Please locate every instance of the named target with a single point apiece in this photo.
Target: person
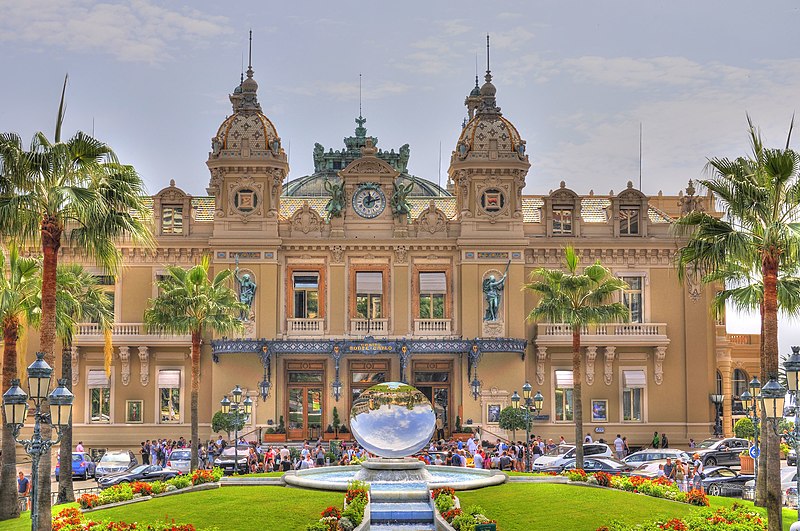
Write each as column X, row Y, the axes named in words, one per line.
column 477, row 460
column 619, row 447
column 79, row 447
column 145, row 451
column 656, row 440
column 698, row 475
column 24, row 490
column 692, row 443
column 625, row 442
column 660, row 473
column 588, row 438
column 664, row 440
column 472, row 446
column 561, row 440
column 505, row 462
column 669, row 470
column 320, row 456
column 680, row 475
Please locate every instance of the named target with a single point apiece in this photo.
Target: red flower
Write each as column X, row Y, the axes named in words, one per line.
column 332, row 511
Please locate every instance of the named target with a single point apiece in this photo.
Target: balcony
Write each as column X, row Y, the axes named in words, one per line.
column 604, row 334
column 369, row 327
column 432, row 327
column 90, row 334
column 305, row 327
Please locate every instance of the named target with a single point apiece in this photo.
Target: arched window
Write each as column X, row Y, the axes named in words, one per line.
column 739, row 383
column 719, row 383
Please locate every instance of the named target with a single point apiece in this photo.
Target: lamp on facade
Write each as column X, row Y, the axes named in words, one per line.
column 264, row 387
column 515, row 400
column 773, row 395
column 717, row 400
column 248, row 406
column 39, row 376
column 526, row 392
column 792, row 366
column 538, row 402
column 15, row 405
column 225, row 404
column 475, row 384
column 754, row 385
column 60, row 401
column 337, row 389
column 237, row 395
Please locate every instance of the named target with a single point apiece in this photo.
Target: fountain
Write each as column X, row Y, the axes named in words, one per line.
column 395, row 421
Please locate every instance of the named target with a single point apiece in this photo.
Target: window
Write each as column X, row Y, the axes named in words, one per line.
column 562, row 220
column 633, row 298
column 633, row 384
column 432, row 292
column 739, row 383
column 628, row 221
column 369, row 294
column 364, row 375
column 99, row 396
column 306, row 295
column 719, row 383
column 172, row 219
column 563, row 395
column 169, row 392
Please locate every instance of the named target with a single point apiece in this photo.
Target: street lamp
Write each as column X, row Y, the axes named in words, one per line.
column 475, row 385
column 15, row 407
column 236, row 408
column 792, row 366
column 717, row 400
column 531, row 404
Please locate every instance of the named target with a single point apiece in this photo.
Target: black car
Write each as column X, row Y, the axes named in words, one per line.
column 599, row 464
column 715, row 452
column 138, row 473
column 722, row 481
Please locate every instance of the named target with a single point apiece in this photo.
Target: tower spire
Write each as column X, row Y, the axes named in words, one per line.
column 488, row 70
column 359, row 94
column 250, row 52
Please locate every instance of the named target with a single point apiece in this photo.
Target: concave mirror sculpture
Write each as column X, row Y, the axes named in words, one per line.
column 392, row 419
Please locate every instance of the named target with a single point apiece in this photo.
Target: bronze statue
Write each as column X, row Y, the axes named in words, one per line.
column 335, row 204
column 492, row 291
column 400, row 206
column 246, row 289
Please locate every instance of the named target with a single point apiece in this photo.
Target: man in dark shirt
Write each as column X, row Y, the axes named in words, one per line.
column 669, row 470
column 505, row 462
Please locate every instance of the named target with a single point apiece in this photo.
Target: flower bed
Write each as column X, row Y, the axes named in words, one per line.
column 355, row 504
column 444, row 499
column 657, row 488
column 129, row 491
column 736, row 517
column 71, row 519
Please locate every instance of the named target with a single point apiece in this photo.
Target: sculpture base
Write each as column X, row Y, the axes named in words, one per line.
column 385, row 469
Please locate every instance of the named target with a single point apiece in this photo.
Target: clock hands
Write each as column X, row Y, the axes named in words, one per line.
column 369, row 200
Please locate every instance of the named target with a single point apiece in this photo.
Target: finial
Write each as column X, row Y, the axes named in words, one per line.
column 250, row 52
column 488, row 70
column 359, row 94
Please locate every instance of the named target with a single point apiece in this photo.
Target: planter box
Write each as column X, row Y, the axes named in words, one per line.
column 328, row 436
column 462, row 436
column 747, row 463
column 274, row 437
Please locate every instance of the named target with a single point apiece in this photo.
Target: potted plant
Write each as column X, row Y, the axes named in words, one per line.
column 329, row 433
column 344, row 433
column 461, row 433
column 276, row 435
column 336, row 422
column 744, row 429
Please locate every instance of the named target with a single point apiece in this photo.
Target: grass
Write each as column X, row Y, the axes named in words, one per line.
column 516, row 507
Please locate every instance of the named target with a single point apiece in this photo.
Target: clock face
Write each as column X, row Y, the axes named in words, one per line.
column 369, row 201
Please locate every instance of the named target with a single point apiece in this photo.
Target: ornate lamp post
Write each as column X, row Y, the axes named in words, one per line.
column 792, row 366
column 531, row 404
column 238, row 409
column 15, row 406
column 717, row 400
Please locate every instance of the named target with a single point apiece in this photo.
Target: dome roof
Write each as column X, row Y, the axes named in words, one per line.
column 483, row 128
column 314, row 186
column 252, row 125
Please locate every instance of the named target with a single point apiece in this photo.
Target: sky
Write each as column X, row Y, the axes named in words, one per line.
column 579, row 79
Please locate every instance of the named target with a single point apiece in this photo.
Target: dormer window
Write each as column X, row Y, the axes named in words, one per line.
column 172, row 219
column 629, row 221
column 562, row 220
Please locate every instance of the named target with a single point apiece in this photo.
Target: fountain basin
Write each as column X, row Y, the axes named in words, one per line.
column 431, row 476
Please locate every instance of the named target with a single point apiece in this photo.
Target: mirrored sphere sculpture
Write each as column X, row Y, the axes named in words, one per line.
column 392, row 420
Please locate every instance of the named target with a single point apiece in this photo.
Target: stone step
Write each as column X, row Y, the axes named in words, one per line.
column 401, row 512
column 399, row 492
column 402, row 527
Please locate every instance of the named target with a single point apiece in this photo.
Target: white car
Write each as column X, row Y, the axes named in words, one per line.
column 180, row 459
column 788, row 480
column 558, row 456
column 656, row 454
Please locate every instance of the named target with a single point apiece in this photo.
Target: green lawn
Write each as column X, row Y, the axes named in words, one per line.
column 516, row 507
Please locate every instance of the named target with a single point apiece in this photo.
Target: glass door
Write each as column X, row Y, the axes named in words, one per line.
column 295, row 428
column 314, row 412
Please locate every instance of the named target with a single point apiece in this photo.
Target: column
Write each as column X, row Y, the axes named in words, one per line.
column 725, row 368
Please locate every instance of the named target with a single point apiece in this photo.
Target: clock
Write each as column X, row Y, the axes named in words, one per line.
column 369, row 200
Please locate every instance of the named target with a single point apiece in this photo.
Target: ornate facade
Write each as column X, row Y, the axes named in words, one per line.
column 366, row 273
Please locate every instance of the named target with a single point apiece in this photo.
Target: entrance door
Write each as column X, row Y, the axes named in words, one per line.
column 433, row 379
column 305, row 412
column 440, row 398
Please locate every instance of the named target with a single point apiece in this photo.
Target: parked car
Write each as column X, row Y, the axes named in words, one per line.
column 655, row 454
column 557, row 457
column 648, row 469
column 226, row 460
column 138, row 473
column 600, row 464
column 180, row 460
column 788, row 480
column 115, row 461
column 722, row 481
column 82, row 466
column 715, row 452
column 791, row 458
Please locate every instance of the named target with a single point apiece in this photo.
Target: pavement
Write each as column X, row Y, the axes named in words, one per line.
column 76, row 483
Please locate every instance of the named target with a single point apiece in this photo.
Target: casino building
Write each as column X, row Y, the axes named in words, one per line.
column 366, row 273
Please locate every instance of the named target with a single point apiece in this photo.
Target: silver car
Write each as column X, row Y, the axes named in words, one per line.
column 115, row 461
column 180, row 460
column 656, row 454
column 788, row 481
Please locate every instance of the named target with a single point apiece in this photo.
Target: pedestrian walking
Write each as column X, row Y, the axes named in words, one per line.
column 664, row 440
column 619, row 447
column 656, row 441
column 24, row 491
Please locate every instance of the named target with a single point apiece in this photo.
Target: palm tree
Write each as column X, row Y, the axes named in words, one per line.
column 190, row 303
column 760, row 194
column 80, row 298
column 19, row 288
column 73, row 192
column 577, row 299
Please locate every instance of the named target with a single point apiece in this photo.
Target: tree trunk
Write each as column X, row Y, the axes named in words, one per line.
column 9, row 508
column 66, row 493
column 51, row 242
column 761, row 477
column 195, row 437
column 770, row 341
column 577, row 398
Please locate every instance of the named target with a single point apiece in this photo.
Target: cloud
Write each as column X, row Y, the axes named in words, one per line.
column 133, row 30
column 348, row 91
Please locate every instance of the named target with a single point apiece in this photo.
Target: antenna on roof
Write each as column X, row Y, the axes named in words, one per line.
column 439, row 179
column 250, row 52
column 488, row 70
column 359, row 94
column 92, row 126
column 241, row 76
column 476, row 69
column 640, row 156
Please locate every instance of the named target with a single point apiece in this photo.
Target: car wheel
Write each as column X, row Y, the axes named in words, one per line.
column 711, row 462
column 714, row 489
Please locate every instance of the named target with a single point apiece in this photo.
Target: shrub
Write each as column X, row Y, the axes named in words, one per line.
column 140, row 487
column 356, row 489
column 603, row 479
column 463, row 522
column 332, row 511
column 67, row 518
column 345, row 524
column 744, row 428
column 443, row 490
column 443, row 502
column 180, row 482
column 577, row 474
column 158, row 487
column 89, row 501
column 200, row 476
column 117, row 493
column 451, row 514
column 355, row 510
column 697, row 497
column 317, row 526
